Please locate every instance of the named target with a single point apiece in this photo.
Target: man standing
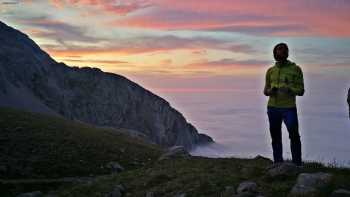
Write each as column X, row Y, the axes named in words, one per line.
column 284, row 81
column 349, row 101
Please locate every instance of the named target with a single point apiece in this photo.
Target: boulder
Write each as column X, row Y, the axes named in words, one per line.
column 247, row 188
column 282, row 170
column 115, row 167
column 311, row 184
column 31, row 194
column 341, row 193
column 180, row 195
column 261, row 158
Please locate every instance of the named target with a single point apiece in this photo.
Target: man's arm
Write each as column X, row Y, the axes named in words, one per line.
column 298, row 86
column 267, row 88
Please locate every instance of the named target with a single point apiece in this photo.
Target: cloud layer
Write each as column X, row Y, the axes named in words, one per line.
column 186, row 37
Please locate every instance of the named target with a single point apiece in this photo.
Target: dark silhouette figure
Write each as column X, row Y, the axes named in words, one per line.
column 348, row 99
column 284, row 81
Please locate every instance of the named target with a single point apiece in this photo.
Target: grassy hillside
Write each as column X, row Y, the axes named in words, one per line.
column 202, row 177
column 38, row 151
column 40, row 146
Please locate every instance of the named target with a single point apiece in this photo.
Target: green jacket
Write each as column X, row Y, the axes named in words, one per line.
column 287, row 75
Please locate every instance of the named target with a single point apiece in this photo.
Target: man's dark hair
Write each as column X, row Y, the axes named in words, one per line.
column 281, row 45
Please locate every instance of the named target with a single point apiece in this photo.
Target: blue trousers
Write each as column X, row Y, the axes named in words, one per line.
column 290, row 118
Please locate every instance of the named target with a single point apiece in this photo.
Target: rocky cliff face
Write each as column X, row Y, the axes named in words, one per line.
column 30, row 79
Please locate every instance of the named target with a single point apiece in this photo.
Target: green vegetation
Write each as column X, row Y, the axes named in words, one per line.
column 201, row 177
column 38, row 151
column 39, row 146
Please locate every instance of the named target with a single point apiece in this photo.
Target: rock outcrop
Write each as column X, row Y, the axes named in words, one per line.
column 30, row 79
column 311, row 184
column 31, row 194
column 341, row 193
column 282, row 170
column 247, row 188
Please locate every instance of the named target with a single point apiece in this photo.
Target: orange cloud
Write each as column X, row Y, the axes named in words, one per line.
column 94, row 51
column 229, row 63
column 108, row 62
column 57, row 3
column 147, row 44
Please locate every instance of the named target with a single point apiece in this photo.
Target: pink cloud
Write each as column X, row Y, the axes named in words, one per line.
column 265, row 17
column 121, row 7
column 320, row 18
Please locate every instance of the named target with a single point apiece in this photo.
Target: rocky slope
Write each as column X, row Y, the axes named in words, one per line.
column 30, row 79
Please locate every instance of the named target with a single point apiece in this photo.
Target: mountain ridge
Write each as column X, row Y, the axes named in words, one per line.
column 31, row 80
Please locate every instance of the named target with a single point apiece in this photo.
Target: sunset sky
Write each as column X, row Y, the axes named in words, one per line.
column 190, row 45
column 208, row 59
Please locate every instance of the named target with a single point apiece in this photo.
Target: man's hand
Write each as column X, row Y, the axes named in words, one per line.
column 271, row 91
column 286, row 90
